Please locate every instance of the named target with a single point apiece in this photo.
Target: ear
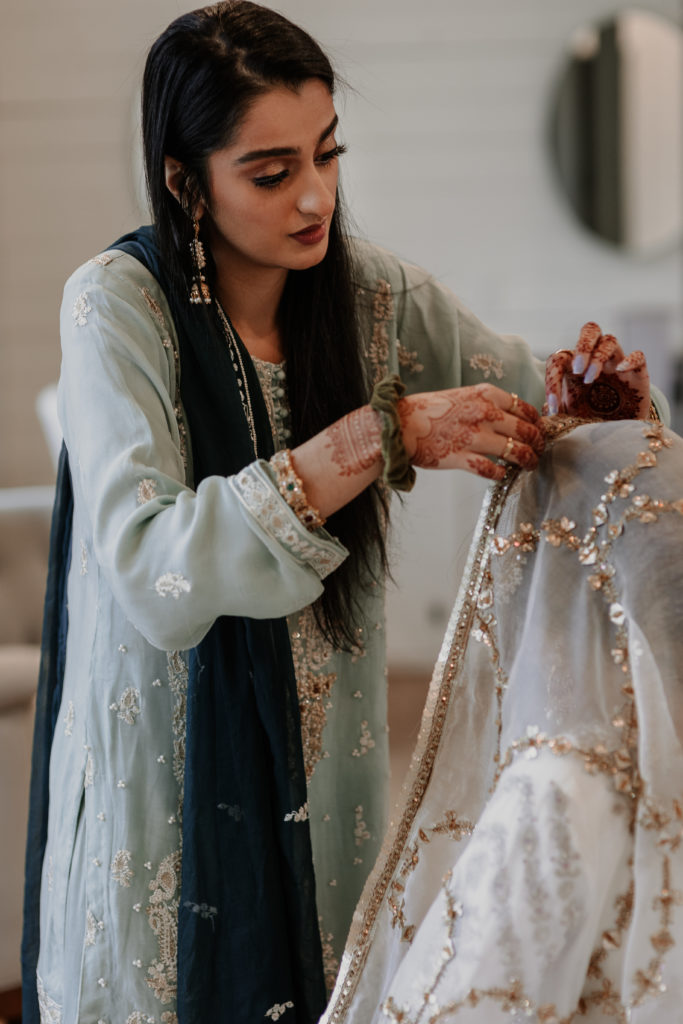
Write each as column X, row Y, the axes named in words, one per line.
column 176, row 177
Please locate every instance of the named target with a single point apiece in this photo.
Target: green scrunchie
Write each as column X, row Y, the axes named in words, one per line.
column 398, row 472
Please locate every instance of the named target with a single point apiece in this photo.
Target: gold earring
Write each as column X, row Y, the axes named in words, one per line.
column 199, row 292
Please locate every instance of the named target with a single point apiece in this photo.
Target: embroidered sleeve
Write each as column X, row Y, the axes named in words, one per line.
column 258, row 493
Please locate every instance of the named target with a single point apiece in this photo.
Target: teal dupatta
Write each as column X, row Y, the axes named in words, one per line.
column 248, row 937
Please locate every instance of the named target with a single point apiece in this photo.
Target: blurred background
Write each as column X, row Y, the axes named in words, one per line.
column 526, row 152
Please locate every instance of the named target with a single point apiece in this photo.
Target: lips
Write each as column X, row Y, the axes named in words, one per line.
column 310, row 235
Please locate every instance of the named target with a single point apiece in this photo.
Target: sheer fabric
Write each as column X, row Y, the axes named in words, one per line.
column 534, row 871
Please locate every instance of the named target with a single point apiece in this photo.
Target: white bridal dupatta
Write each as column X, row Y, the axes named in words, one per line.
column 534, row 868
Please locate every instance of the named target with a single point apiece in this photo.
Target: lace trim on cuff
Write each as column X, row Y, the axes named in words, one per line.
column 260, row 497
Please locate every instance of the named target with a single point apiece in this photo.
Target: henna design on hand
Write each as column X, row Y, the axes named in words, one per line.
column 523, row 456
column 634, row 363
column 483, row 467
column 355, row 441
column 558, row 364
column 609, row 398
column 454, row 429
column 588, row 338
column 530, row 435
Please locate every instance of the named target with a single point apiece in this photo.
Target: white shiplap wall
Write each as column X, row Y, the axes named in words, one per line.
column 448, row 166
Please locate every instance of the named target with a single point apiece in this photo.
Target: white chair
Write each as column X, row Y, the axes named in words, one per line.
column 46, row 410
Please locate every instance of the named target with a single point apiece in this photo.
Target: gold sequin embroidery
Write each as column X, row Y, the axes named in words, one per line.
column 383, row 312
column 311, row 654
column 162, row 914
column 408, row 360
column 487, row 365
column 619, row 762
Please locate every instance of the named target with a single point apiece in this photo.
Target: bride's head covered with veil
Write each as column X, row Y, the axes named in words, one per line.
column 534, row 870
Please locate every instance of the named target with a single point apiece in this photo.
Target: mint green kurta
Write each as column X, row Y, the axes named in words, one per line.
column 154, row 563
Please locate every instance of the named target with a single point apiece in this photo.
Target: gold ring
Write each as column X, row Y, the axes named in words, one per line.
column 515, row 403
column 507, row 450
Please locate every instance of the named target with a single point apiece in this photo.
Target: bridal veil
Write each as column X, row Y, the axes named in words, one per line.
column 534, row 867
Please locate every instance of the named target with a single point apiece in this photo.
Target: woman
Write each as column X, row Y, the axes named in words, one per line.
column 534, row 871
column 206, row 694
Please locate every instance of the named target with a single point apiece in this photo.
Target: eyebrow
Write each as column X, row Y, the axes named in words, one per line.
column 260, row 154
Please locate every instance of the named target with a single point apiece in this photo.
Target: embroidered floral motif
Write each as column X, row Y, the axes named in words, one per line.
column 359, row 649
column 565, row 858
column 300, row 815
column 162, row 914
column 81, row 308
column 204, row 911
column 128, row 706
column 169, row 1017
column 560, row 531
column 121, row 872
column 172, row 584
column 277, row 1011
column 154, row 308
column 487, row 364
column 453, row 826
column 102, row 260
column 330, row 961
column 408, row 360
column 69, row 719
column 147, row 491
column 310, row 655
column 50, row 1011
column 89, row 776
column 524, row 539
column 383, row 311
column 361, row 830
column 138, row 1017
column 90, row 928
column 177, row 677
column 234, row 811
column 366, row 742
column 274, row 516
column 273, row 380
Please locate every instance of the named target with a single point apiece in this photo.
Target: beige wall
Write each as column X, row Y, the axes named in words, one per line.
column 68, row 75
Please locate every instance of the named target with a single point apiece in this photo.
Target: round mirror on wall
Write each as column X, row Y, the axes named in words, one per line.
column 617, row 130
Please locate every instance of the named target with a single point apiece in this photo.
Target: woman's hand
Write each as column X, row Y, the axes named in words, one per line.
column 464, row 428
column 597, row 380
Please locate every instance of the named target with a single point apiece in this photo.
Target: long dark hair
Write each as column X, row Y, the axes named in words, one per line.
column 201, row 76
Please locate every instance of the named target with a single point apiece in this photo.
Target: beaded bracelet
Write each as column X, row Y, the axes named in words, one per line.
column 398, row 472
column 292, row 490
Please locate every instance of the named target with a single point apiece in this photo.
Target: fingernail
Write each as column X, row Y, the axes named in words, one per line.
column 579, row 363
column 623, row 365
column 553, row 405
column 593, row 371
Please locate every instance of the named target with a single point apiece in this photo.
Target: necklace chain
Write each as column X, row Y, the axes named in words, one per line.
column 240, row 374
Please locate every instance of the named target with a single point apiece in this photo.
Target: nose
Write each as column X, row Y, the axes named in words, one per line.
column 317, row 194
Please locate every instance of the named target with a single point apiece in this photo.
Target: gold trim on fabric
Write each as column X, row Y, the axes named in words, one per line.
column 378, row 885
column 621, row 764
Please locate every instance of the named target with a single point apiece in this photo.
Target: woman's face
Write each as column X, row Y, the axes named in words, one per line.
column 272, row 190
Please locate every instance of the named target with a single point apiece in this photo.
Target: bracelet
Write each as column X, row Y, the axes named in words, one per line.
column 653, row 414
column 292, row 490
column 398, row 472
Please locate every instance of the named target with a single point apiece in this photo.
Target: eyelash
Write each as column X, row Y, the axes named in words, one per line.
column 273, row 180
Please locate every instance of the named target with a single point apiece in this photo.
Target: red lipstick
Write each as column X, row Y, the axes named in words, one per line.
column 311, row 235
